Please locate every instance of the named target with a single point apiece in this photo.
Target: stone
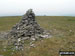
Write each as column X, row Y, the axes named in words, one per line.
column 19, row 39
column 32, row 45
column 33, row 39
column 43, row 36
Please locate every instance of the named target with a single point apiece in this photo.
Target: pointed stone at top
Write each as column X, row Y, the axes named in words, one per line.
column 29, row 14
column 29, row 11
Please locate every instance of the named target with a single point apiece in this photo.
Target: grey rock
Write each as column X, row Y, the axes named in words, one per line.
column 32, row 45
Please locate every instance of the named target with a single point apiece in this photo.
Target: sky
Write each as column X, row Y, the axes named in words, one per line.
column 40, row 7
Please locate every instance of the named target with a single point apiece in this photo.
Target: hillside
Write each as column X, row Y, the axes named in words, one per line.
column 62, row 29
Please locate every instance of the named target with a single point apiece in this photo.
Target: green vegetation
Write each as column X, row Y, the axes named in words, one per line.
column 62, row 28
column 6, row 23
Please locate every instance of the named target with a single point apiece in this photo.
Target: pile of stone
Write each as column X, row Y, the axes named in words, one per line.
column 27, row 28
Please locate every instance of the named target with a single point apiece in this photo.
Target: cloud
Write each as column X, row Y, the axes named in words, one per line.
column 40, row 7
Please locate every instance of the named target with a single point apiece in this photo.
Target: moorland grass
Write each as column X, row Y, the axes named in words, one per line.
column 62, row 28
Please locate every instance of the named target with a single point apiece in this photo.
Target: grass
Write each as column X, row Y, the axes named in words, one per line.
column 62, row 28
column 6, row 23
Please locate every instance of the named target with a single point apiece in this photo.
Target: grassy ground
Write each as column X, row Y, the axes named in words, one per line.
column 63, row 31
column 6, row 23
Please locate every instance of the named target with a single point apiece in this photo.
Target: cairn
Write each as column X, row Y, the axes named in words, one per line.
column 27, row 28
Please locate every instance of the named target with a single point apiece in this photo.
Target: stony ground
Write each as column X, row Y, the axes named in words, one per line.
column 61, row 28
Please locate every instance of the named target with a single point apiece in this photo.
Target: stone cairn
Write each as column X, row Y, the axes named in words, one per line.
column 27, row 28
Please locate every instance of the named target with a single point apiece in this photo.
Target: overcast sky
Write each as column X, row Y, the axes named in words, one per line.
column 40, row 7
